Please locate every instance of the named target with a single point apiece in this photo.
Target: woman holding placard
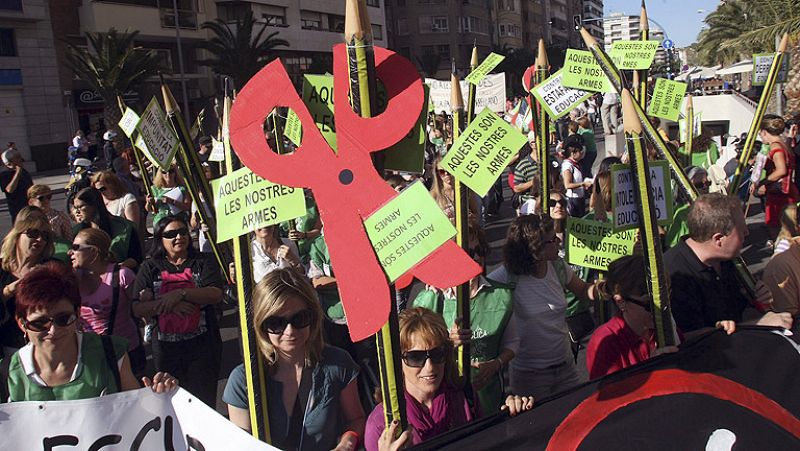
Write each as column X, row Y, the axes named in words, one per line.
column 169, row 195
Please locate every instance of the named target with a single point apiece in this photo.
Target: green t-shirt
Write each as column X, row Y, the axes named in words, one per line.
column 588, row 139
column 328, row 297
column 679, row 227
column 162, row 208
column 490, row 311
column 304, row 224
column 701, row 159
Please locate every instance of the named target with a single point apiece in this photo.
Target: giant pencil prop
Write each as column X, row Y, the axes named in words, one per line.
column 363, row 99
column 648, row 222
column 254, row 368
column 147, row 181
column 462, row 215
column 650, row 132
column 191, row 171
column 752, row 134
column 542, row 129
column 688, row 145
column 644, row 35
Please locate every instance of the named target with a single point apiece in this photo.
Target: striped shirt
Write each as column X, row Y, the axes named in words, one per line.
column 524, row 172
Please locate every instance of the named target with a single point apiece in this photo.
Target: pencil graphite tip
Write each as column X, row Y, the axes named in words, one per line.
column 473, row 63
column 630, row 120
column 588, row 39
column 356, row 20
column 170, row 105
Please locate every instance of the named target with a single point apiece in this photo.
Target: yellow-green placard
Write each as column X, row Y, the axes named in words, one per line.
column 217, row 150
column 408, row 155
column 623, row 198
column 485, row 67
column 318, row 97
column 244, row 202
column 483, row 150
column 761, row 65
column 407, row 229
column 581, row 71
column 630, row 55
column 128, row 122
column 667, row 99
column 557, row 99
column 293, row 128
column 161, row 142
column 141, row 145
column 594, row 244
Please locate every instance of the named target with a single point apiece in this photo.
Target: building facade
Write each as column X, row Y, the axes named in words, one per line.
column 621, row 27
column 593, row 18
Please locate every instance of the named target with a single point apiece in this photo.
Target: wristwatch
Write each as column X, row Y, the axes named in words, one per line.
column 183, row 294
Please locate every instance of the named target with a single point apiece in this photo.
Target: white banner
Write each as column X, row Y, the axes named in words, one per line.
column 132, row 420
column 491, row 93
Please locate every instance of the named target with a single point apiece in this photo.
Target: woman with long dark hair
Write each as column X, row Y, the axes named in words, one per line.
column 90, row 211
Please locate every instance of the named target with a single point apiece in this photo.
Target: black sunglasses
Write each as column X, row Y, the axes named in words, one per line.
column 36, row 234
column 102, row 189
column 551, row 203
column 81, row 247
column 170, row 234
column 417, row 359
column 43, row 324
column 277, row 324
column 44, row 198
column 641, row 302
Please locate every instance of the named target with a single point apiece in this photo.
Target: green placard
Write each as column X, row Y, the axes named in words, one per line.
column 408, row 155
column 318, row 97
column 557, row 99
column 581, row 71
column 629, row 55
column 667, row 99
column 161, row 142
column 244, row 202
column 293, row 128
column 761, row 65
column 485, row 67
column 623, row 198
column 128, row 122
column 407, row 229
column 594, row 244
column 482, row 151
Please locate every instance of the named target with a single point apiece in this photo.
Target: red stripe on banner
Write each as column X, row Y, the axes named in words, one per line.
column 607, row 400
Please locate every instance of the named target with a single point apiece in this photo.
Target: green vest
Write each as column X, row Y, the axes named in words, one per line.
column 304, row 224
column 490, row 311
column 679, row 227
column 95, row 377
column 328, row 297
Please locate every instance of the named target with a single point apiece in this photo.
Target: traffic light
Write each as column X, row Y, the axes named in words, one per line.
column 577, row 21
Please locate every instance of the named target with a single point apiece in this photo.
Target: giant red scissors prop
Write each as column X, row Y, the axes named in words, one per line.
column 345, row 184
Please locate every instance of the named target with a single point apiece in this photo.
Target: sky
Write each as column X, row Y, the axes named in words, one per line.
column 680, row 18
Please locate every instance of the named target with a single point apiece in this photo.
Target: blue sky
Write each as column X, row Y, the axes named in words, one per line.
column 680, row 18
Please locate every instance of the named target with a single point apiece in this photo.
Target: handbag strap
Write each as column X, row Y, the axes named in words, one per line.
column 294, row 437
column 111, row 360
column 114, row 300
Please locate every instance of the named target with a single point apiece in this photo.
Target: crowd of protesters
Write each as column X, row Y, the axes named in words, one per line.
column 89, row 294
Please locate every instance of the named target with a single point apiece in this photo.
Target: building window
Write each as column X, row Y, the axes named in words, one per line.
column 8, row 44
column 310, row 20
column 274, row 17
column 296, row 66
column 402, row 26
column 186, row 14
column 11, row 5
column 164, row 58
column 473, row 24
column 443, row 50
column 336, row 23
column 433, row 24
column 377, row 31
column 10, row 77
column 375, row 3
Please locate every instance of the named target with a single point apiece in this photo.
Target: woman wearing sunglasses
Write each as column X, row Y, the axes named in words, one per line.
column 312, row 387
column 628, row 338
column 106, row 292
column 178, row 287
column 119, row 202
column 169, row 195
column 90, row 212
column 443, row 192
column 434, row 402
column 41, row 196
column 60, row 363
column 27, row 245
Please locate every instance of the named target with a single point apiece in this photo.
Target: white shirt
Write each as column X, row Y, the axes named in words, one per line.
column 540, row 318
column 577, row 177
column 263, row 264
column 610, row 98
column 117, row 206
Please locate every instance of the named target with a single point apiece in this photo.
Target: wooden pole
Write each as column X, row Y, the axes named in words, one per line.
column 542, row 129
column 147, row 181
column 644, row 35
column 688, row 144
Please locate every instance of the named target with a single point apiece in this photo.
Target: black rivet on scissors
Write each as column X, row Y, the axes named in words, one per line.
column 346, row 176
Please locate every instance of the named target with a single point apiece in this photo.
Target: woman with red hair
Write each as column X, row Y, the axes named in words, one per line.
column 59, row 363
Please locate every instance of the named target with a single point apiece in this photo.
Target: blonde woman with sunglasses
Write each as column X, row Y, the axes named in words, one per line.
column 313, row 388
column 41, row 196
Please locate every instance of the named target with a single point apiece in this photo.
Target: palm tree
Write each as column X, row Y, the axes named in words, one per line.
column 239, row 53
column 112, row 64
column 429, row 63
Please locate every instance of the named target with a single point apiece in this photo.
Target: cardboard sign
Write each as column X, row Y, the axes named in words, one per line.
column 491, row 93
column 245, row 202
column 581, row 71
column 408, row 155
column 630, row 55
column 483, row 151
column 162, row 144
column 623, row 200
column 557, row 99
column 141, row 145
column 130, row 420
column 761, row 65
column 594, row 244
column 407, row 229
column 217, row 150
column 484, row 68
column 698, row 126
column 293, row 129
column 318, row 97
column 128, row 122
column 667, row 99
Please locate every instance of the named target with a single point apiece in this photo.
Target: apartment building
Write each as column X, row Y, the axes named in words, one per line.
column 619, row 26
column 593, row 18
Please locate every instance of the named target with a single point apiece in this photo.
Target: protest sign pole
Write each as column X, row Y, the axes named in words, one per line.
column 473, row 88
column 363, row 98
column 542, row 128
column 644, row 35
column 689, row 141
column 763, row 102
column 648, row 224
column 611, row 71
column 137, row 155
column 254, row 368
column 462, row 228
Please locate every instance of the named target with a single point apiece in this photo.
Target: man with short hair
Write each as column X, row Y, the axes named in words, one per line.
column 526, row 172
column 705, row 290
column 205, row 148
column 15, row 182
